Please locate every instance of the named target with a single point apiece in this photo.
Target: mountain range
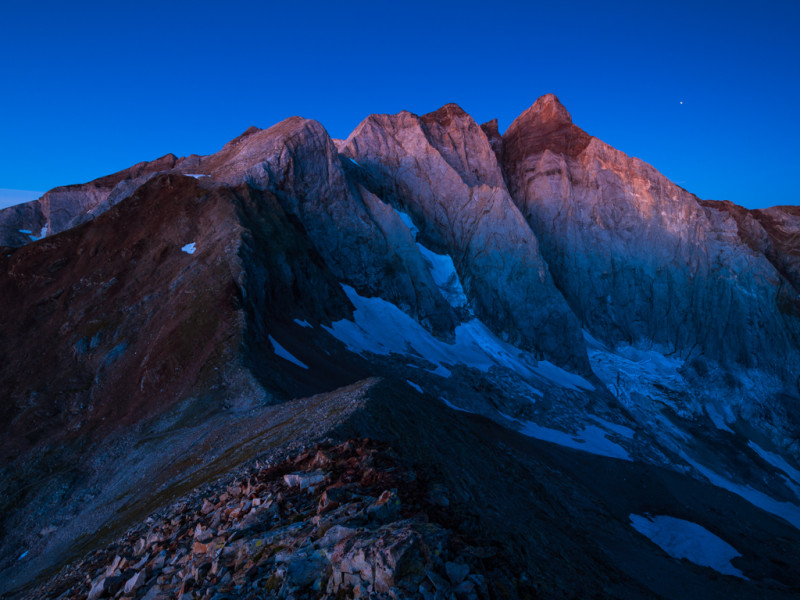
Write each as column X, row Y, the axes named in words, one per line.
column 588, row 377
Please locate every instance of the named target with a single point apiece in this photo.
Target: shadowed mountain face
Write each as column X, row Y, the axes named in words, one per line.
column 583, row 362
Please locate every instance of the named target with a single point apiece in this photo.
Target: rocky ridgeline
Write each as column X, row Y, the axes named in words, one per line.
column 339, row 521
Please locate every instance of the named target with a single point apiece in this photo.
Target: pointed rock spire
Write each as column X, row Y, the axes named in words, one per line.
column 445, row 115
column 548, row 109
column 545, row 125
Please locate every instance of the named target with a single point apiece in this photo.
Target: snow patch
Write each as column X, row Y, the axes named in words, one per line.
column 622, row 430
column 415, row 386
column 777, row 461
column 408, row 222
column 684, row 539
column 440, row 266
column 454, row 407
column 285, row 354
column 441, row 371
column 189, row 248
column 35, row 238
column 785, row 510
column 196, row 175
column 381, row 328
column 304, row 323
column 628, row 371
column 716, row 416
column 591, row 439
column 444, row 275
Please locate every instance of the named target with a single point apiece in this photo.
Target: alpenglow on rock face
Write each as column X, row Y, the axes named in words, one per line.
column 218, row 370
column 638, row 258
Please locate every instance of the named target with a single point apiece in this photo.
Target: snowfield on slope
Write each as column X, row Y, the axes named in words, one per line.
column 591, row 438
column 647, row 382
column 684, row 539
column 381, row 328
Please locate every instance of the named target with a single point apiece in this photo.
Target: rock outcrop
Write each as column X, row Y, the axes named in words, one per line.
column 441, row 169
column 265, row 532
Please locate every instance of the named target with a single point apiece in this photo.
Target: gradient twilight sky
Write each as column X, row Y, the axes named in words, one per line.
column 89, row 88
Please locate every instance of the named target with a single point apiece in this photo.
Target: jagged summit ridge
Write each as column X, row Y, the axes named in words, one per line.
column 552, row 329
column 466, row 211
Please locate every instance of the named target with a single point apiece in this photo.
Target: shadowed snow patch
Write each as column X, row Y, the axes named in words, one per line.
column 719, row 419
column 444, row 275
column 684, row 539
column 454, row 407
column 790, row 475
column 381, row 328
column 285, row 354
column 441, row 267
column 786, row 510
column 408, row 222
column 415, row 386
column 591, row 438
column 30, row 234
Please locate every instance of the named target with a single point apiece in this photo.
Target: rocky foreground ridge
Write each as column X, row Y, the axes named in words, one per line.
column 590, row 359
column 342, row 520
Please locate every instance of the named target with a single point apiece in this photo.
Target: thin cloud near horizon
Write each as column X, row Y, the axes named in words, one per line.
column 10, row 197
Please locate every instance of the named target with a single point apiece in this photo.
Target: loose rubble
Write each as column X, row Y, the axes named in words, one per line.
column 342, row 521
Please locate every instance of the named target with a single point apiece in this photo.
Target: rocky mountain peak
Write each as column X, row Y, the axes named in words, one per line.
column 446, row 115
column 545, row 125
column 246, row 133
column 547, row 109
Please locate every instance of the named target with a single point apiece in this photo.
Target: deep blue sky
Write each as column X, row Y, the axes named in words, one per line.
column 88, row 88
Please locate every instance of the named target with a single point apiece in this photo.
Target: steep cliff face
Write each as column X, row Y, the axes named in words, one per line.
column 361, row 241
column 775, row 233
column 639, row 259
column 441, row 170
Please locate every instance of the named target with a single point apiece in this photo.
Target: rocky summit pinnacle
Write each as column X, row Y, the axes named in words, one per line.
column 431, row 360
column 545, row 125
